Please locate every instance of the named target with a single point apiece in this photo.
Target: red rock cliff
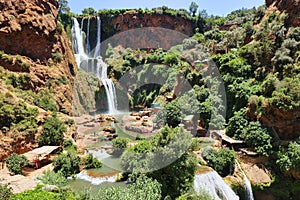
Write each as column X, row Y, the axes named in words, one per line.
column 291, row 7
column 129, row 20
column 30, row 28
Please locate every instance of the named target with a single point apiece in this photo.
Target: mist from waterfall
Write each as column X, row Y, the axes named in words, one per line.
column 94, row 63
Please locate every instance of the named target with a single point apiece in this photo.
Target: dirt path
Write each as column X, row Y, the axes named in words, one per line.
column 18, row 183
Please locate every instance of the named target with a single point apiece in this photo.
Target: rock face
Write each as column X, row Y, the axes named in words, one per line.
column 27, row 27
column 134, row 20
column 291, row 7
column 285, row 123
column 130, row 20
column 30, row 28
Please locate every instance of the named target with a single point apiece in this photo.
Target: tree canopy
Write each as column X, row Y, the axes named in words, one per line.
column 170, row 145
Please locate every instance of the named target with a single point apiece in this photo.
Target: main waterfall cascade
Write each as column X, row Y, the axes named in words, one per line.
column 213, row 184
column 249, row 193
column 93, row 63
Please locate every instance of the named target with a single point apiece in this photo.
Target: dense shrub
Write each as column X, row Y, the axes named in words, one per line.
column 120, row 143
column 258, row 137
column 171, row 114
column 67, row 163
column 5, row 192
column 143, row 188
column 69, row 145
column 289, row 159
column 16, row 114
column 52, row 178
column 90, row 162
column 15, row 163
column 237, row 123
column 222, row 160
column 286, row 96
column 57, row 57
column 53, row 132
column 39, row 193
column 22, row 81
column 45, row 100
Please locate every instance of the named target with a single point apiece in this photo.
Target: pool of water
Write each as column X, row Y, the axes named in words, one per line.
column 95, row 179
column 79, row 185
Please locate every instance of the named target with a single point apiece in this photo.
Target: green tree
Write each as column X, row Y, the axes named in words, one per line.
column 171, row 59
column 221, row 160
column 120, row 144
column 193, row 8
column 67, row 163
column 170, row 145
column 171, row 114
column 69, row 146
column 53, row 132
column 89, row 11
column 237, row 123
column 90, row 162
column 16, row 162
column 63, row 6
column 258, row 137
column 52, row 178
column 289, row 159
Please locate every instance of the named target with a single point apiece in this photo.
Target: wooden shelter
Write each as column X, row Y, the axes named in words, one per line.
column 41, row 156
column 226, row 140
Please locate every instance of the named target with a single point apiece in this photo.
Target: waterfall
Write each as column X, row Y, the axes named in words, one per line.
column 93, row 64
column 249, row 193
column 97, row 49
column 88, row 48
column 77, row 42
column 214, row 185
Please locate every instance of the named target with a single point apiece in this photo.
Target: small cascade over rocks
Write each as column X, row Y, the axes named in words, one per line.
column 96, row 180
column 100, row 154
column 93, row 64
column 249, row 193
column 213, row 184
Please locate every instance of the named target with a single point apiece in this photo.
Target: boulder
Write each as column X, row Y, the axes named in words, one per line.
column 109, row 129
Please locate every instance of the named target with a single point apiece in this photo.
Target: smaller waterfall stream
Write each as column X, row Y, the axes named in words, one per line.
column 249, row 193
column 213, row 184
column 97, row 49
column 88, row 47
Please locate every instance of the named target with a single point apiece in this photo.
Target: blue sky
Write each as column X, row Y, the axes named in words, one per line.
column 215, row 7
